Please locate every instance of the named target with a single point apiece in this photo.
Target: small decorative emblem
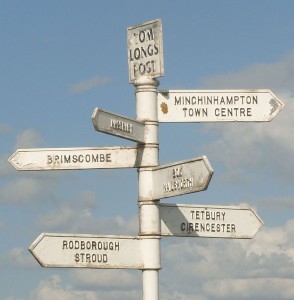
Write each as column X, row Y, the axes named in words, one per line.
column 164, row 108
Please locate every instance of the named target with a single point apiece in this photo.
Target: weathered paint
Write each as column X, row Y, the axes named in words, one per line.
column 75, row 158
column 145, row 50
column 118, row 125
column 183, row 177
column 94, row 251
column 218, row 106
column 209, row 221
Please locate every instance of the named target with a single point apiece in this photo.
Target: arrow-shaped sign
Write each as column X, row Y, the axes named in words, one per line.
column 183, row 177
column 75, row 158
column 209, row 221
column 218, row 106
column 118, row 125
column 95, row 251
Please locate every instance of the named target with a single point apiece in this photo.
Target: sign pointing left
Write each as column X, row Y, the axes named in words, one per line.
column 94, row 251
column 117, row 125
column 74, row 158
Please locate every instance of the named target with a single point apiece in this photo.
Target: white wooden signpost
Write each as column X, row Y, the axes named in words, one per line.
column 117, row 125
column 74, row 158
column 218, row 106
column 145, row 58
column 185, row 220
column 94, row 251
column 145, row 50
column 183, row 177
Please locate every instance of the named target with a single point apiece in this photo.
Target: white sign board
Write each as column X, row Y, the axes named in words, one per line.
column 74, row 158
column 93, row 251
column 218, row 106
column 118, row 125
column 145, row 50
column 183, row 177
column 208, row 221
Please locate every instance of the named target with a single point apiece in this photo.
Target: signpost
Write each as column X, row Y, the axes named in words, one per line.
column 183, row 177
column 208, row 221
column 145, row 50
column 93, row 251
column 145, row 58
column 74, row 158
column 218, row 106
column 118, row 125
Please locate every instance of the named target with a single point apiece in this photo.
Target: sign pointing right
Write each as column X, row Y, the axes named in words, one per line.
column 175, row 179
column 233, row 222
column 218, row 106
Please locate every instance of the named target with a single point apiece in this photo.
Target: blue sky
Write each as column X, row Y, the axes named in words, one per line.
column 61, row 59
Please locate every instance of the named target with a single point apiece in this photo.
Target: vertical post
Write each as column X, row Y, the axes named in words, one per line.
column 149, row 221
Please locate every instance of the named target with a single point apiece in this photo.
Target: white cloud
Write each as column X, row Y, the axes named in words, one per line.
column 52, row 289
column 274, row 241
column 268, row 145
column 194, row 266
column 77, row 216
column 28, row 139
column 254, row 288
column 17, row 257
column 76, row 212
column 89, row 84
column 106, row 279
column 278, row 75
column 265, row 147
column 21, row 190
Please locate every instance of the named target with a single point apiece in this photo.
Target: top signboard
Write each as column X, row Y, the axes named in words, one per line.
column 218, row 106
column 145, row 50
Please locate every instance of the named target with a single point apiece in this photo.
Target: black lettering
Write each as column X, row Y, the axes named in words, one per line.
column 183, row 226
column 233, row 227
column 64, row 245
column 190, row 227
column 156, row 49
column 49, row 159
column 143, row 51
column 70, row 245
column 142, row 36
column 137, row 54
column 77, row 258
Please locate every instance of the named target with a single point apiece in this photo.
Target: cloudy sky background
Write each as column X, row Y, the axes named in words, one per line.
column 61, row 59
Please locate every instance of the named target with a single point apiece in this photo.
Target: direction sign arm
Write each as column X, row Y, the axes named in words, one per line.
column 118, row 125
